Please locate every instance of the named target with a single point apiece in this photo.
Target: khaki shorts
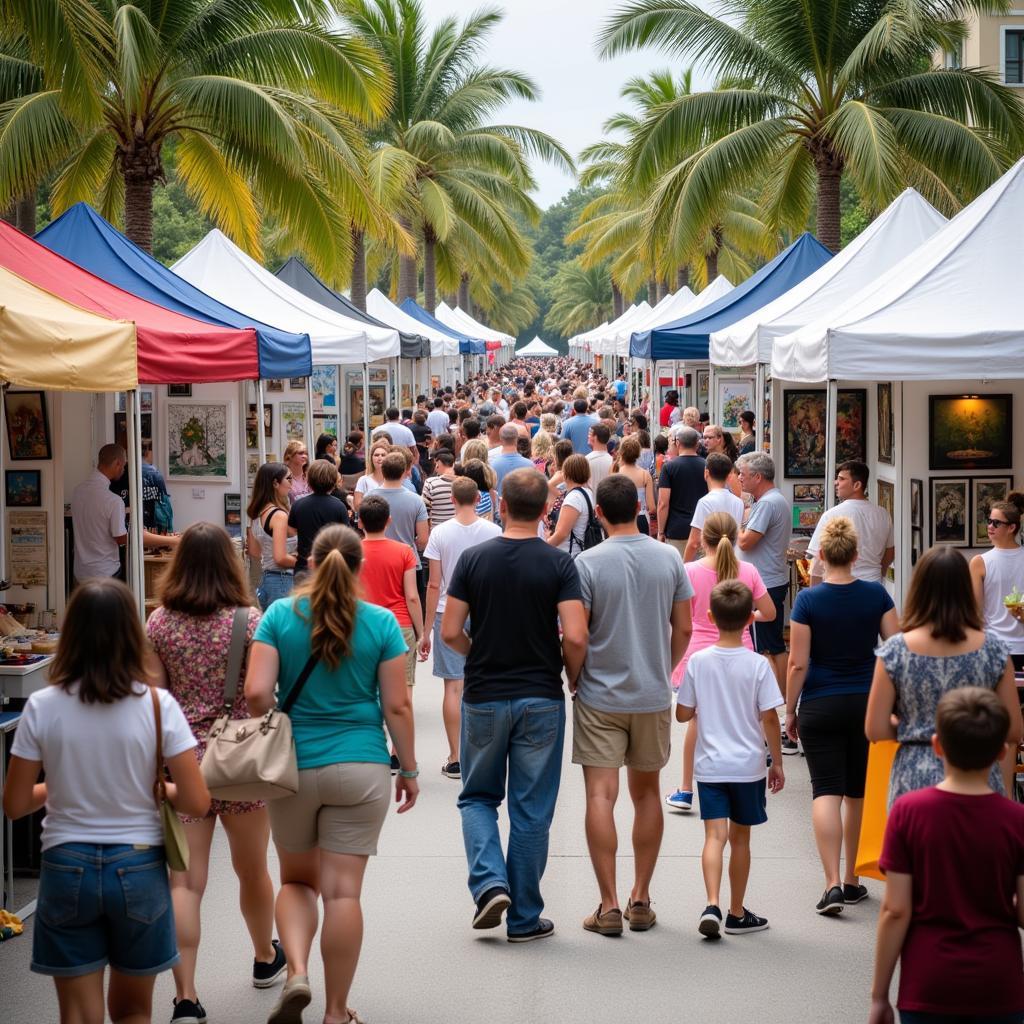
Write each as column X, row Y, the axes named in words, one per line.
column 605, row 739
column 409, row 636
column 679, row 545
column 339, row 807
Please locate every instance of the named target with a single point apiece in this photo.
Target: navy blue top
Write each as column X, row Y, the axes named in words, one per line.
column 844, row 619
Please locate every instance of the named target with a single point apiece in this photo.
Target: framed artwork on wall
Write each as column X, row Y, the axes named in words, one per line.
column 811, row 494
column 233, row 514
column 297, row 383
column 274, row 386
column 703, row 376
column 251, row 438
column 851, row 425
column 917, row 504
column 733, row 397
column 293, row 421
column 985, row 492
column 916, row 545
column 252, row 465
column 950, row 521
column 885, row 424
column 197, row 440
column 121, row 428
column 179, row 390
column 23, row 488
column 28, row 430
column 970, row 432
column 886, row 496
column 324, row 386
column 804, row 426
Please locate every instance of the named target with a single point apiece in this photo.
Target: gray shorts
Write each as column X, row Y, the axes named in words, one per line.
column 448, row 664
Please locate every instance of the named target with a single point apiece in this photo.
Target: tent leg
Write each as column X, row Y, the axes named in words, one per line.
column 760, row 410
column 831, row 411
column 261, row 435
column 310, row 438
column 243, row 476
column 398, row 382
column 136, row 573
column 366, row 406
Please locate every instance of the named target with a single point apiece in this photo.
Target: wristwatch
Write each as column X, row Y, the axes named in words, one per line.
column 409, row 775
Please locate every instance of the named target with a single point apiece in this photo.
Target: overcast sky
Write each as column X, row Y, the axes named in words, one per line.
column 553, row 42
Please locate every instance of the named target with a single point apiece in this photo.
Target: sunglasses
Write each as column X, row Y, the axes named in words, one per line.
column 997, row 522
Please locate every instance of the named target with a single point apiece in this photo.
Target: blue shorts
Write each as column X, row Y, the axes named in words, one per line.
column 448, row 664
column 102, row 905
column 273, row 586
column 769, row 636
column 741, row 802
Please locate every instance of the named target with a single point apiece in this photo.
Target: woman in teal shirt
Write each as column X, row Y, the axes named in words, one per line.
column 325, row 832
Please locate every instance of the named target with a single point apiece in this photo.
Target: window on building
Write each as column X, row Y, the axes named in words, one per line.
column 1013, row 61
column 953, row 58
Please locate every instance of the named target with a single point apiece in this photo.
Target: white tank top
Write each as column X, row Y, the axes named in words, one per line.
column 1004, row 568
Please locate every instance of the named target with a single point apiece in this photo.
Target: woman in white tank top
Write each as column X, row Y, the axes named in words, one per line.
column 998, row 571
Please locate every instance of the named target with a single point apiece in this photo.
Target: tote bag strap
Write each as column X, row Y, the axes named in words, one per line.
column 236, row 652
column 159, row 788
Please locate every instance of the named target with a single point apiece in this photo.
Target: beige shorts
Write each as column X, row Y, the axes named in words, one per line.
column 409, row 636
column 679, row 545
column 339, row 807
column 605, row 739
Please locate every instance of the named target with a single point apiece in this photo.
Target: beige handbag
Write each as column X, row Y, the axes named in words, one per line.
column 251, row 758
column 175, row 843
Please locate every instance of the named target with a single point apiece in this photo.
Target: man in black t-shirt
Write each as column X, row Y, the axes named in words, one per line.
column 515, row 590
column 680, row 486
column 310, row 514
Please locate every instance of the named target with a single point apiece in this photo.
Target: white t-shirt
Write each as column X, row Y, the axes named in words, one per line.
column 439, row 422
column 100, row 763
column 600, row 467
column 720, row 500
column 97, row 515
column 874, row 535
column 398, row 432
column 449, row 540
column 575, row 499
column 493, row 453
column 730, row 687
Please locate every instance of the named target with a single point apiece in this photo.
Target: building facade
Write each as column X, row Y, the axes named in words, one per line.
column 996, row 42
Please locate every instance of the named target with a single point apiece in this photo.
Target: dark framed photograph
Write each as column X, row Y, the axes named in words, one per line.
column 274, row 385
column 949, row 512
column 917, row 504
column 297, row 383
column 179, row 390
column 804, row 422
column 885, row 424
column 233, row 514
column 916, row 545
column 851, row 425
column 251, row 438
column 23, row 488
column 809, row 494
column 885, row 494
column 970, row 432
column 985, row 492
column 28, row 430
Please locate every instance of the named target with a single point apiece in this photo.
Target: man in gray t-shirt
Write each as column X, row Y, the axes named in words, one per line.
column 623, row 697
column 409, row 521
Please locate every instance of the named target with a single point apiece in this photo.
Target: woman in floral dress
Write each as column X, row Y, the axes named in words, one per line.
column 191, row 635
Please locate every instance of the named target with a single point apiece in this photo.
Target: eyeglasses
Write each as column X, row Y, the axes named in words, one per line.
column 998, row 522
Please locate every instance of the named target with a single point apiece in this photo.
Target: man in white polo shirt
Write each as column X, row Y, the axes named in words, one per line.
column 97, row 515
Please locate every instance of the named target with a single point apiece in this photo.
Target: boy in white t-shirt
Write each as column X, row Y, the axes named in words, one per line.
column 737, row 695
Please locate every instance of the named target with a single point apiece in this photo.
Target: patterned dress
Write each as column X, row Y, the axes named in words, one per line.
column 920, row 681
column 194, row 652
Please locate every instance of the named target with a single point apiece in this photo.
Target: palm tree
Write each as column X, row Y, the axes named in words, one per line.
column 259, row 98
column 459, row 172
column 582, row 299
column 818, row 90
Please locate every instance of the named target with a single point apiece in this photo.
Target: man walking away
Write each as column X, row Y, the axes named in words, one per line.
column 599, row 459
column 516, row 589
column 622, row 714
column 680, row 486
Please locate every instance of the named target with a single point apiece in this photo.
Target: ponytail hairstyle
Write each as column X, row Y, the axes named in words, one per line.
column 838, row 542
column 1012, row 508
column 332, row 591
column 719, row 532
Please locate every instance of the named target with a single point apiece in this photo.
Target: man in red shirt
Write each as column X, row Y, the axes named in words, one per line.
column 671, row 403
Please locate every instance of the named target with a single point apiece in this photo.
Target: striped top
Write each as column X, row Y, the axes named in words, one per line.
column 437, row 496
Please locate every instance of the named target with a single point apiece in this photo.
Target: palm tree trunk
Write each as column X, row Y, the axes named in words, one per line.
column 464, row 292
column 27, row 213
column 828, row 219
column 711, row 259
column 652, row 290
column 683, row 277
column 407, row 275
column 138, row 210
column 429, row 270
column 10, row 215
column 358, row 268
column 616, row 300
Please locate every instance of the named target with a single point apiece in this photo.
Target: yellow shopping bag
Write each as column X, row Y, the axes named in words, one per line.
column 876, row 808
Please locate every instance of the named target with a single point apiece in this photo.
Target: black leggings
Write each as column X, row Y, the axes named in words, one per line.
column 832, row 733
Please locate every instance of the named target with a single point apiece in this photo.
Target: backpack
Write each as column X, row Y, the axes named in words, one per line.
column 163, row 513
column 593, row 534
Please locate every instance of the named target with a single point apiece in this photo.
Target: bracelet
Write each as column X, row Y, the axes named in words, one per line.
column 409, row 775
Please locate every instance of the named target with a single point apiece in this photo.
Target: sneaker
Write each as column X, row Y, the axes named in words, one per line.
column 747, row 923
column 451, row 770
column 295, row 997
column 710, row 925
column 831, row 902
column 608, row 922
column 854, row 894
column 187, row 1011
column 639, row 915
column 542, row 931
column 396, row 765
column 680, row 801
column 265, row 974
column 789, row 746
column 489, row 908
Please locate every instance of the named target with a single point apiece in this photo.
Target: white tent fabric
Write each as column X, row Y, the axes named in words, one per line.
column 604, row 343
column 947, row 311
column 537, row 348
column 588, row 337
column 685, row 304
column 218, row 267
column 580, row 342
column 660, row 314
column 607, row 341
column 902, row 227
column 461, row 321
column 379, row 306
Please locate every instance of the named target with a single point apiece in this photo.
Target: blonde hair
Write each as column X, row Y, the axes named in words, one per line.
column 720, row 527
column 549, row 423
column 475, row 448
column 542, row 444
column 838, row 542
column 386, row 445
column 332, row 592
column 292, row 449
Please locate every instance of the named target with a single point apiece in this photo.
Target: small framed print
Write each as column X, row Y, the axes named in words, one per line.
column 809, row 494
column 916, row 545
column 28, row 429
column 233, row 514
column 145, row 400
column 252, row 464
column 297, row 383
column 985, row 492
column 23, row 488
column 950, row 521
column 917, row 504
column 885, row 424
column 251, row 437
column 179, row 390
column 274, row 385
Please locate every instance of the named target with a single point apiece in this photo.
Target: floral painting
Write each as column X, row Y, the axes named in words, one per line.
column 949, row 512
column 197, row 440
column 733, row 397
column 804, row 447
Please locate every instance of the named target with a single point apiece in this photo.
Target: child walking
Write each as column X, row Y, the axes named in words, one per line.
column 954, row 861
column 736, row 693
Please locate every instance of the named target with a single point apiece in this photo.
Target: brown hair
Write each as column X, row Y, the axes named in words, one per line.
column 941, row 596
column 525, row 493
column 719, row 466
column 576, row 469
column 972, row 725
column 1012, row 508
column 263, row 493
column 563, row 449
column 465, row 491
column 102, row 646
column 731, row 605
column 322, row 476
column 629, row 450
column 205, row 573
column 719, row 532
column 839, row 542
column 394, row 466
column 332, row 592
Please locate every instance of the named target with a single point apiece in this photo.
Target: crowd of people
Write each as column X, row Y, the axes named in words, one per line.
column 528, row 532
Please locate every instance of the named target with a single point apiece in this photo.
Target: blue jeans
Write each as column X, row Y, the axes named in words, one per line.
column 517, row 743
column 273, row 586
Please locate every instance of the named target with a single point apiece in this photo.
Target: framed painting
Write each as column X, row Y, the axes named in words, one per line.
column 916, row 545
column 809, row 494
column 970, row 432
column 197, row 440
column 886, row 495
column 885, row 424
column 325, row 425
column 733, row 397
column 916, row 504
column 28, row 430
column 324, row 386
column 274, row 386
column 293, row 421
column 179, row 390
column 703, row 376
column 297, row 383
column 252, row 465
column 851, row 425
column 804, row 424
column 251, row 438
column 985, row 492
column 23, row 488
column 233, row 514
column 949, row 512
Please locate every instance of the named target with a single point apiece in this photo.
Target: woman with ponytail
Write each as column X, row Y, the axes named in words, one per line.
column 348, row 659
column 718, row 565
column 999, row 572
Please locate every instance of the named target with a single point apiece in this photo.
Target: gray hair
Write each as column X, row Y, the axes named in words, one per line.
column 686, row 437
column 508, row 434
column 758, row 462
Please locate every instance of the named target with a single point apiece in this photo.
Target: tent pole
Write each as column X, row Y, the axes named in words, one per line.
column 261, row 435
column 243, row 482
column 398, row 382
column 760, row 409
column 310, row 439
column 366, row 407
column 136, row 573
column 831, row 411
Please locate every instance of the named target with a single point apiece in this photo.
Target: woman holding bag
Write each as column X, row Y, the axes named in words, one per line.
column 103, row 892
column 341, row 663
column 203, row 594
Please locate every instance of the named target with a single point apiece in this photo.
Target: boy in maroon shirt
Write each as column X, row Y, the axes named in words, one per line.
column 954, row 860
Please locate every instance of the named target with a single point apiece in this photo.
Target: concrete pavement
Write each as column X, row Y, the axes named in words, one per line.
column 422, row 963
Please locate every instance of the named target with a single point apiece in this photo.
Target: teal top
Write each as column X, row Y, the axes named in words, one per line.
column 337, row 717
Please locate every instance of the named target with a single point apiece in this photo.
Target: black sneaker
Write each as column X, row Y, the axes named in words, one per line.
column 451, row 770
column 710, row 925
column 854, row 894
column 265, row 974
column 789, row 746
column 747, row 923
column 489, row 908
column 542, row 931
column 188, row 1012
column 396, row 765
column 831, row 901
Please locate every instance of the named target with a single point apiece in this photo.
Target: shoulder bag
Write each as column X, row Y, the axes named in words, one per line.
column 175, row 843
column 252, row 758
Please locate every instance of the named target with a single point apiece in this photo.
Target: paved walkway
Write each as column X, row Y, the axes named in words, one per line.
column 422, row 964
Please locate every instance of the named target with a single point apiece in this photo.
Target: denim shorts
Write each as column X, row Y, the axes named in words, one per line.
column 448, row 664
column 103, row 904
column 274, row 585
column 741, row 802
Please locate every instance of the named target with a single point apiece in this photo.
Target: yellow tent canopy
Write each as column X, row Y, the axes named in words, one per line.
column 51, row 344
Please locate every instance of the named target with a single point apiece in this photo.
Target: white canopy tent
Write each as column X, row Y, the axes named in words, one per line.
column 587, row 337
column 537, row 348
column 378, row 305
column 603, row 343
column 461, row 321
column 662, row 313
